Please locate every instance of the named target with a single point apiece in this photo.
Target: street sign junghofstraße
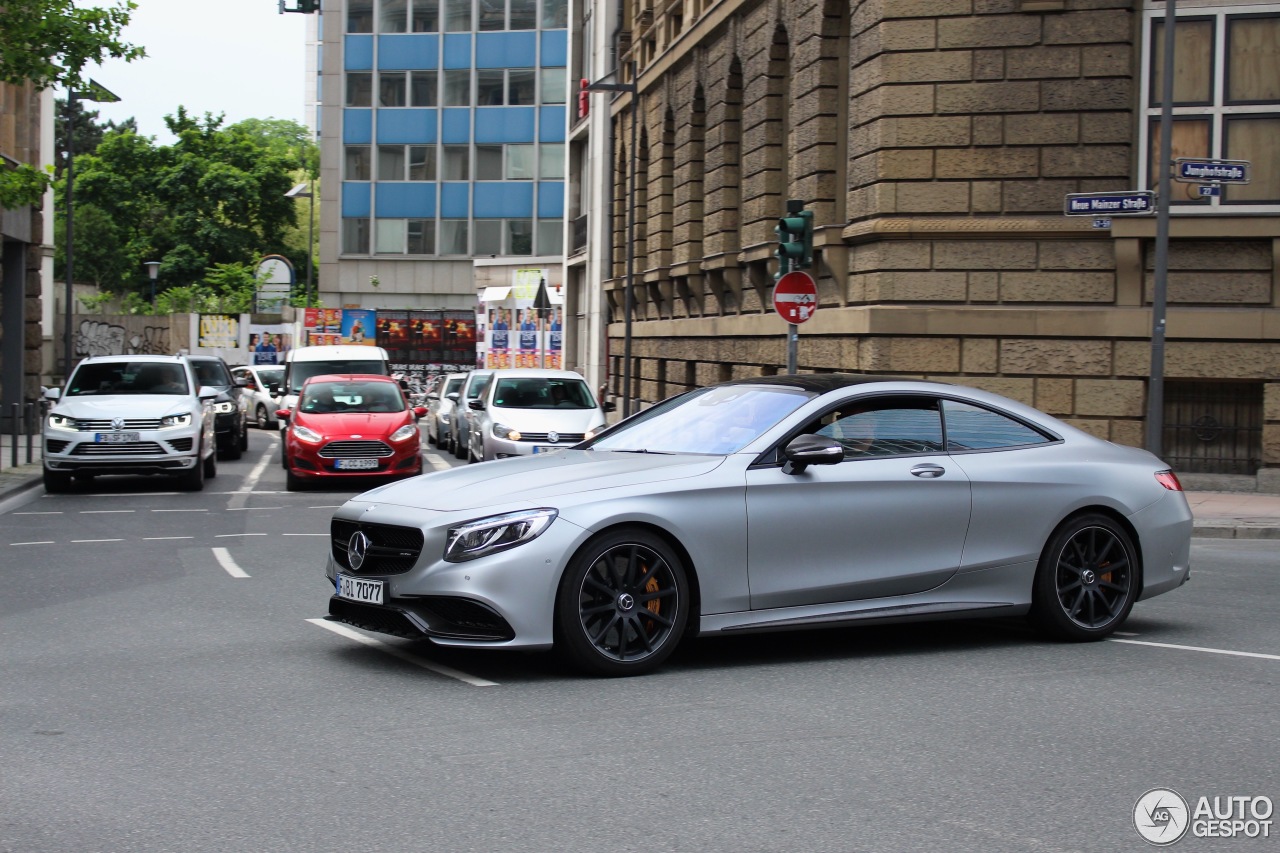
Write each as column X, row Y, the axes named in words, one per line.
column 1191, row 170
column 1136, row 203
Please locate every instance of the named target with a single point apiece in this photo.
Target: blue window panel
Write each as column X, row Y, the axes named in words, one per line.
column 551, row 199
column 509, row 199
column 457, row 125
column 454, row 200
column 507, row 50
column 357, row 126
column 505, row 124
column 457, row 50
column 355, row 199
column 407, row 51
column 357, row 53
column 411, row 126
column 555, row 49
column 551, row 124
column 410, row 200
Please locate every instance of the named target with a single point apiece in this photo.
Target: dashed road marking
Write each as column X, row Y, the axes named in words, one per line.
column 1230, row 652
column 223, row 556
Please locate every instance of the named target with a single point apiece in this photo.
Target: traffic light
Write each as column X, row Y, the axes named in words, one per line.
column 795, row 239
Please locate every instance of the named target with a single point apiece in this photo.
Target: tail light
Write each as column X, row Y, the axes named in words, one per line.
column 1169, row 480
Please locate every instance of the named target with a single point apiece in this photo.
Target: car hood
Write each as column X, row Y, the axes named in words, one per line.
column 367, row 424
column 537, row 479
column 547, row 420
column 124, row 406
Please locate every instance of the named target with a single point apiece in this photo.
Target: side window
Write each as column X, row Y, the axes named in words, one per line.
column 974, row 428
column 887, row 426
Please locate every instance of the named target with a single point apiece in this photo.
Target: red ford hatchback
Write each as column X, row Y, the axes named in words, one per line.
column 350, row 426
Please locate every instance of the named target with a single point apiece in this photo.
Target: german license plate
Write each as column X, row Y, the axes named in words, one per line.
column 358, row 589
column 116, row 437
column 356, row 464
column 544, row 448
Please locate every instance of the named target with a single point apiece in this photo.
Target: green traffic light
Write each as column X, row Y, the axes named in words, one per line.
column 795, row 241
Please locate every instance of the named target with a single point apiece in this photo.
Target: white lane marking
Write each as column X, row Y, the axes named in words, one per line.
column 250, row 508
column 51, row 512
column 46, row 542
column 115, row 495
column 179, row 510
column 228, row 535
column 256, row 473
column 328, row 506
column 438, row 463
column 104, row 511
column 449, row 672
column 304, row 534
column 160, row 538
column 79, row 541
column 1199, row 649
column 224, row 559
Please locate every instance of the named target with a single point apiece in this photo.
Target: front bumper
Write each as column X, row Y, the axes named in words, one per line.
column 306, row 462
column 162, row 451
column 505, row 448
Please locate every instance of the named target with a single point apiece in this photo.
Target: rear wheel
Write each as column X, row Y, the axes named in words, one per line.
column 622, row 605
column 56, row 482
column 1087, row 580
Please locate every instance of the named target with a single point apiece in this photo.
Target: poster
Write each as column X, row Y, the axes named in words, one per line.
column 269, row 343
column 358, row 326
column 219, row 331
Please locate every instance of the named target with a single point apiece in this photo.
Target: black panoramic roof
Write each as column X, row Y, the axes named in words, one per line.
column 817, row 383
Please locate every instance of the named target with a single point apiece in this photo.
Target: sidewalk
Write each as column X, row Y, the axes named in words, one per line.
column 1219, row 515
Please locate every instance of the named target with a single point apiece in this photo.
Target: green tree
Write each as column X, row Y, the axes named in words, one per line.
column 88, row 135
column 49, row 43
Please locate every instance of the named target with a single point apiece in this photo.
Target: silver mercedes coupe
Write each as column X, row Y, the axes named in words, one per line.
column 782, row 502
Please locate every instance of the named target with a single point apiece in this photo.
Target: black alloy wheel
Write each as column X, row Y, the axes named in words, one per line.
column 56, row 482
column 1087, row 581
column 623, row 604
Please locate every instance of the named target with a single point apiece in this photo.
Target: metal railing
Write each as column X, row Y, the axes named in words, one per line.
column 23, row 423
column 1213, row 427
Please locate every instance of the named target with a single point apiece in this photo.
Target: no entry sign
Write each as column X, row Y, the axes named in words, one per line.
column 795, row 297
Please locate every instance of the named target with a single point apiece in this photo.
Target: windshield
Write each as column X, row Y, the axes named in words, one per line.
column 477, row 387
column 128, row 377
column 325, row 398
column 533, row 392
column 271, row 375
column 720, row 420
column 453, row 385
column 211, row 373
column 301, row 371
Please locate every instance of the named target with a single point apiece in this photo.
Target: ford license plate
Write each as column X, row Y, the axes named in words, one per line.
column 116, row 437
column 359, row 589
column 356, row 464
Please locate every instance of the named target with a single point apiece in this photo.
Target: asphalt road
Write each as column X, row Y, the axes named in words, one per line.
column 166, row 684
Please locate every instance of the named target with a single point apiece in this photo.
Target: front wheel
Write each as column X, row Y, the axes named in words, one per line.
column 1087, row 580
column 263, row 418
column 56, row 482
column 622, row 605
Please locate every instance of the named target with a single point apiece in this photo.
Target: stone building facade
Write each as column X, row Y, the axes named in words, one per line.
column 935, row 141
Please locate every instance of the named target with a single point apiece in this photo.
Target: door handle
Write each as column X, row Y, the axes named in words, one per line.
column 928, row 471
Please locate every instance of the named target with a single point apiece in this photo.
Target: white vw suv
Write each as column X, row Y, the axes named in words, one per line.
column 130, row 414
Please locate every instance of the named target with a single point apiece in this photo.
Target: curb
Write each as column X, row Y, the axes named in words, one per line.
column 1242, row 530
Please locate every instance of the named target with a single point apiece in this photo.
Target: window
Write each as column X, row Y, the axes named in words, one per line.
column 551, row 161
column 550, row 237
column 359, row 16
column 519, row 236
column 457, row 16
column 453, row 237
column 391, row 162
column 973, row 428
column 524, row 14
column 493, row 15
column 422, row 88
column 457, row 87
column 425, row 17
column 554, row 85
column 1226, row 102
column 456, row 158
column 520, row 87
column 488, row 237
column 357, row 159
column 394, row 17
column 889, row 426
column 488, row 162
column 422, row 162
column 355, row 236
column 490, row 87
column 519, row 162
column 359, row 89
column 392, row 89
column 422, row 236
column 390, row 234
column 555, row 15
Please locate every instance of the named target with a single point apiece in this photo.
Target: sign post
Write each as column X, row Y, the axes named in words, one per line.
column 795, row 298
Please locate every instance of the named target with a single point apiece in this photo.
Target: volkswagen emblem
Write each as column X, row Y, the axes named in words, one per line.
column 357, row 550
column 117, row 424
column 553, row 437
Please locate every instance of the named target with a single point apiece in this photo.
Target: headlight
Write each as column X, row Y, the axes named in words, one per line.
column 224, row 408
column 496, row 533
column 405, row 433
column 176, row 420
column 500, row 431
column 307, row 434
column 61, row 422
column 591, row 433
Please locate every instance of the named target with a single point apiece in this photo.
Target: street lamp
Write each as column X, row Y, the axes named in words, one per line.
column 628, row 299
column 98, row 94
column 306, row 191
column 153, row 271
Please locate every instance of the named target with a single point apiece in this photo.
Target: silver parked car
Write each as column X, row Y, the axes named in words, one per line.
column 261, row 403
column 472, row 387
column 773, row 503
column 441, row 411
column 525, row 411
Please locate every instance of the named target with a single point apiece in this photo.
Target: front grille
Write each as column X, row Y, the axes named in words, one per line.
column 182, row 445
column 133, row 448
column 105, row 424
column 371, row 617
column 461, row 617
column 574, row 437
column 355, row 450
column 392, row 550
column 55, row 445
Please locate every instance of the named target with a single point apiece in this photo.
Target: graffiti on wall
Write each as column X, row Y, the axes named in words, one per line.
column 94, row 337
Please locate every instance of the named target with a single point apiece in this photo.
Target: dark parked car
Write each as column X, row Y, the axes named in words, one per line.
column 231, row 418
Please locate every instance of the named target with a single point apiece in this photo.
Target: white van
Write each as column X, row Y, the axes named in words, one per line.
column 301, row 363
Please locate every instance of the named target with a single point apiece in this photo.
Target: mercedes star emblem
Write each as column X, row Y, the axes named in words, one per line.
column 357, row 549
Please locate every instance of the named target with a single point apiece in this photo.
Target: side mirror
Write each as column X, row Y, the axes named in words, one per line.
column 609, row 406
column 52, row 393
column 419, row 411
column 207, row 393
column 476, row 405
column 283, row 414
column 241, row 382
column 806, row 450
column 454, row 396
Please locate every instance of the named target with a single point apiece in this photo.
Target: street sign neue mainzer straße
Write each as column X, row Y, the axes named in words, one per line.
column 1133, row 203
